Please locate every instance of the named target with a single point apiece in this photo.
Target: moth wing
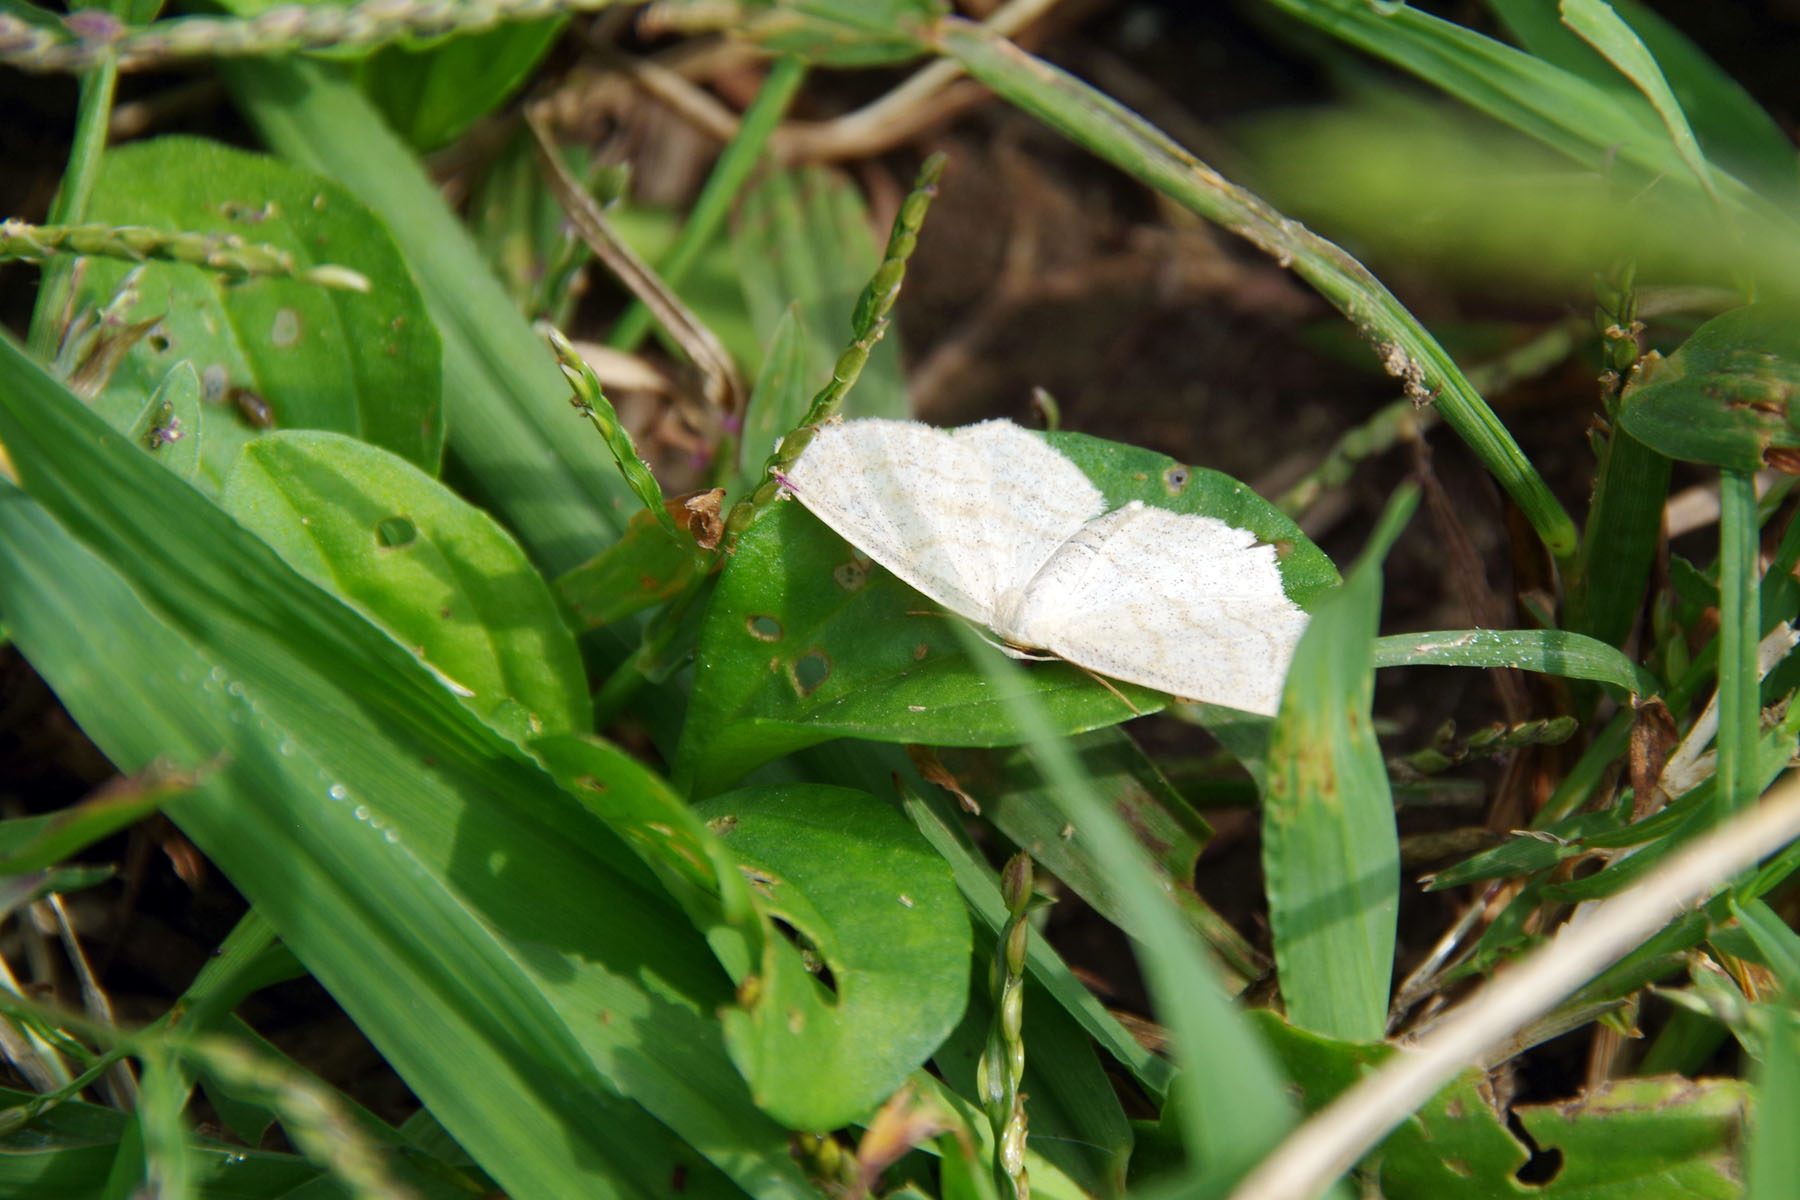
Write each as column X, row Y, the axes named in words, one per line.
column 1037, row 498
column 1181, row 603
column 912, row 498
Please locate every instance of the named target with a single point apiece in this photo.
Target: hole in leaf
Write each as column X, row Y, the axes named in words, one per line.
column 1544, row 1165
column 763, row 628
column 285, row 330
column 810, row 670
column 809, row 955
column 1176, row 480
column 213, row 383
column 851, row 575
column 158, row 342
column 395, row 532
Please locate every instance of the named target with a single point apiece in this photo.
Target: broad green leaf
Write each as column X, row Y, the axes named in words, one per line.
column 1126, row 473
column 1723, row 397
column 805, row 640
column 315, row 358
column 434, row 90
column 168, row 425
column 1455, row 1145
column 647, row 565
column 1331, row 856
column 803, row 238
column 863, row 892
column 428, row 873
column 436, row 572
column 1665, row 1136
column 666, row 834
column 1550, row 651
column 561, row 495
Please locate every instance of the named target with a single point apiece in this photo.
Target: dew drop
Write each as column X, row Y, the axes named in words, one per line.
column 338, row 791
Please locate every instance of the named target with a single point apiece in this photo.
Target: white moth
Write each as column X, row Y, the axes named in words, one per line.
column 998, row 527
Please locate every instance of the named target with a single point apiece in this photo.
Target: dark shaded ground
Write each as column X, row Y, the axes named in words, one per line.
column 1145, row 325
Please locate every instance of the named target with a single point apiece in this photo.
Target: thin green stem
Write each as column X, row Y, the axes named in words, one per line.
column 722, row 187
column 1740, row 623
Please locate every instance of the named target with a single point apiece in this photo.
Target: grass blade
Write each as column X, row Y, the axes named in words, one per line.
column 1331, row 854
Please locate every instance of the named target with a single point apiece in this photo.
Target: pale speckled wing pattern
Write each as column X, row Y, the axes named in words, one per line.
column 958, row 515
column 997, row 526
column 1184, row 604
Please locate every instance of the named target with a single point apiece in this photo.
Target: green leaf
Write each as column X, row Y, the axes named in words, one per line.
column 805, row 641
column 432, row 92
column 1773, row 1157
column 439, row 574
column 318, row 358
column 1657, row 1136
column 1549, row 651
column 862, row 891
column 1454, row 1145
column 561, row 495
column 1331, row 856
column 436, row 880
column 1725, row 396
column 68, row 1150
column 1732, row 127
column 1603, row 29
column 647, row 565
